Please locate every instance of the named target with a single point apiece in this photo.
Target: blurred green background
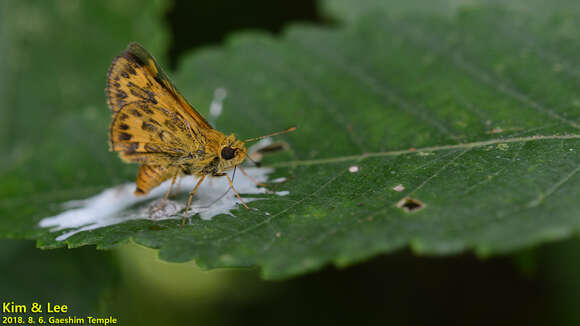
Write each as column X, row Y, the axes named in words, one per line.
column 536, row 287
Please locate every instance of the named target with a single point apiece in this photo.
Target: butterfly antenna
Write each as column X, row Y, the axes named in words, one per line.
column 272, row 134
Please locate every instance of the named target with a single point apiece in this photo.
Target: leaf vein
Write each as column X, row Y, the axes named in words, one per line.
column 269, row 219
column 438, row 171
column 542, row 196
column 347, row 158
column 461, row 62
column 381, row 89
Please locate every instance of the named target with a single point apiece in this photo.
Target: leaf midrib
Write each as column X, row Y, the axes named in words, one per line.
column 470, row 145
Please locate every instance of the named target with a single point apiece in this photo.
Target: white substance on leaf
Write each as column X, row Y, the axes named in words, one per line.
column 399, row 188
column 216, row 106
column 353, row 169
column 110, row 206
column 278, row 180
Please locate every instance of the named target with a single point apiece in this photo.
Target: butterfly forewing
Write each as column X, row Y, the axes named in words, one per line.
column 136, row 76
column 152, row 123
column 145, row 133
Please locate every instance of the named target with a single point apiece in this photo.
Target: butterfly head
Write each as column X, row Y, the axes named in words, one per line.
column 232, row 153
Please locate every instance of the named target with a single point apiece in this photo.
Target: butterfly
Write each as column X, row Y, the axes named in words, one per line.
column 154, row 125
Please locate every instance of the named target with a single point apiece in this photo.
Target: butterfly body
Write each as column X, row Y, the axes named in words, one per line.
column 153, row 125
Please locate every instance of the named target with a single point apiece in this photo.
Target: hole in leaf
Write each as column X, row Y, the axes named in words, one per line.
column 274, row 147
column 410, row 205
column 258, row 151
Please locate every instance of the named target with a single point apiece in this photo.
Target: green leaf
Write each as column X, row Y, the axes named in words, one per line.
column 351, row 11
column 481, row 130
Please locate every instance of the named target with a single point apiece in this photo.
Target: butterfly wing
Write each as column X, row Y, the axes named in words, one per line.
column 152, row 123
column 135, row 76
column 150, row 176
column 145, row 133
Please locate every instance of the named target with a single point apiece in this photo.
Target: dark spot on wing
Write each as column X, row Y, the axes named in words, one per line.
column 121, row 94
column 142, row 93
column 135, row 59
column 151, row 97
column 167, row 113
column 123, row 116
column 135, row 112
column 174, row 118
column 148, row 127
column 159, row 79
column 152, row 148
column 147, row 109
column 124, row 136
column 123, row 126
column 124, row 74
column 137, row 94
column 131, row 148
column 169, row 124
column 164, row 136
column 178, row 121
column 154, row 122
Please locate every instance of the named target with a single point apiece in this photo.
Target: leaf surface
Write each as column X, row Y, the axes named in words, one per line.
column 482, row 131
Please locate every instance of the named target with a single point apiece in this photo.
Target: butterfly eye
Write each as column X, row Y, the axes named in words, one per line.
column 228, row 153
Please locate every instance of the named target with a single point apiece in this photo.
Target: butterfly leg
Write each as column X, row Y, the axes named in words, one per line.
column 174, row 193
column 252, row 178
column 235, row 192
column 160, row 206
column 190, row 198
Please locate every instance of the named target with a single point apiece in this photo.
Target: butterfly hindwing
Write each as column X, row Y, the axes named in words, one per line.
column 150, row 176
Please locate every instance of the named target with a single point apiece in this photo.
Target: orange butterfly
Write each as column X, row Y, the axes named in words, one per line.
column 155, row 126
